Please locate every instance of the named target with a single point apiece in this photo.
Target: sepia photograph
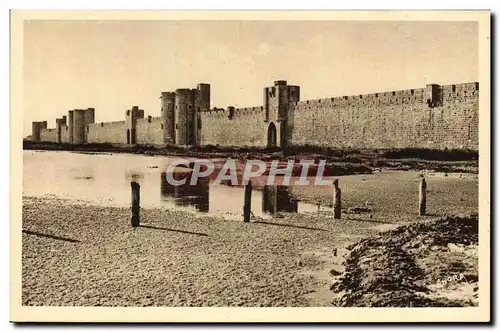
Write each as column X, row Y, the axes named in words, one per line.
column 250, row 166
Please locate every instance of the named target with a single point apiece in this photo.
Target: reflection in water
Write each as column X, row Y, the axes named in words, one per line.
column 194, row 195
column 274, row 198
column 105, row 180
column 278, row 199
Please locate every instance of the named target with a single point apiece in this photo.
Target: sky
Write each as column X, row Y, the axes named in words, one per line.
column 114, row 65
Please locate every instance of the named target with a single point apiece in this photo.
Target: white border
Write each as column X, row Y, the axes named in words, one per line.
column 126, row 4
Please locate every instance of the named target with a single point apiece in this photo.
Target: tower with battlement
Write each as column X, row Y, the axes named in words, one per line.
column 277, row 101
column 60, row 124
column 131, row 117
column 184, row 105
column 181, row 114
column 36, row 128
column 70, row 127
column 88, row 117
column 168, row 117
column 434, row 116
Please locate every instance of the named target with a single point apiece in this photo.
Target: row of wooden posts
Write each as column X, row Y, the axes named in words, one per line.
column 337, row 201
column 248, row 201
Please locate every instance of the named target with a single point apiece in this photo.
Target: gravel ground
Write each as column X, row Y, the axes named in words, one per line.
column 76, row 254
column 84, row 255
column 424, row 264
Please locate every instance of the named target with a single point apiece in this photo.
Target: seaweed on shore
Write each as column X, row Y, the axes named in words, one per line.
column 405, row 267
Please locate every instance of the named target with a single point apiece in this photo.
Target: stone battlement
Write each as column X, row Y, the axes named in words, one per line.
column 434, row 116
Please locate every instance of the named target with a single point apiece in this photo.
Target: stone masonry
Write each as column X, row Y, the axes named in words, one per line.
column 436, row 117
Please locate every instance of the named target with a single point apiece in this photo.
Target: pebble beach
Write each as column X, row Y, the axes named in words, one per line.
column 76, row 254
column 81, row 252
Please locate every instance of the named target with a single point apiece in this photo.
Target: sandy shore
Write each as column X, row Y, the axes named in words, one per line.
column 423, row 264
column 85, row 255
column 78, row 254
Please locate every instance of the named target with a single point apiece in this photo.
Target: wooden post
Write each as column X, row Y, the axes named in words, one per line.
column 265, row 199
column 248, row 202
column 135, row 217
column 273, row 200
column 337, row 198
column 270, row 199
column 422, row 197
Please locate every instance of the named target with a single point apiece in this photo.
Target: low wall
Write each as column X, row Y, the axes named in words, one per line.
column 107, row 132
column 246, row 127
column 48, row 135
column 149, row 131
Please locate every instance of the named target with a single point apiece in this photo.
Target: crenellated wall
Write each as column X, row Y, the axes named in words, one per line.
column 241, row 127
column 396, row 119
column 108, row 132
column 434, row 116
column 150, row 130
column 48, row 135
column 65, row 134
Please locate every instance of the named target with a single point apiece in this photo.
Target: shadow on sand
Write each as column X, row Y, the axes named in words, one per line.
column 50, row 236
column 172, row 230
column 293, row 226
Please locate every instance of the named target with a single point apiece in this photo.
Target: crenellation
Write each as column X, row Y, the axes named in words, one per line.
column 436, row 116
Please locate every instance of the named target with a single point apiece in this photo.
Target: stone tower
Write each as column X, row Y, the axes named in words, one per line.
column 168, row 116
column 79, row 126
column 36, row 127
column 77, row 122
column 183, row 116
column 202, row 104
column 60, row 123
column 131, row 117
column 433, row 95
column 70, row 127
column 180, row 113
column 278, row 110
column 89, row 117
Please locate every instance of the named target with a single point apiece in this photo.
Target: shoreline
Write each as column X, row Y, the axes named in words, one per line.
column 89, row 255
column 339, row 161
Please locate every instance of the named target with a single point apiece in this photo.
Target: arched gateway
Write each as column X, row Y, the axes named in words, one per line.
column 271, row 135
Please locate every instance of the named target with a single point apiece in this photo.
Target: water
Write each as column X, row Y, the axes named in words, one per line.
column 104, row 179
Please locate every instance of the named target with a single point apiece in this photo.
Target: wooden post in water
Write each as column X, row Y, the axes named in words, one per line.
column 422, row 200
column 248, row 202
column 273, row 200
column 135, row 216
column 337, row 199
column 265, row 199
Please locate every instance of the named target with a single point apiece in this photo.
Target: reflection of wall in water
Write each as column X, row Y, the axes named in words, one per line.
column 194, row 195
column 278, row 199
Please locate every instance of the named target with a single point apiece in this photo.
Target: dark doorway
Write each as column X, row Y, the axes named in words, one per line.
column 271, row 136
column 128, row 136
